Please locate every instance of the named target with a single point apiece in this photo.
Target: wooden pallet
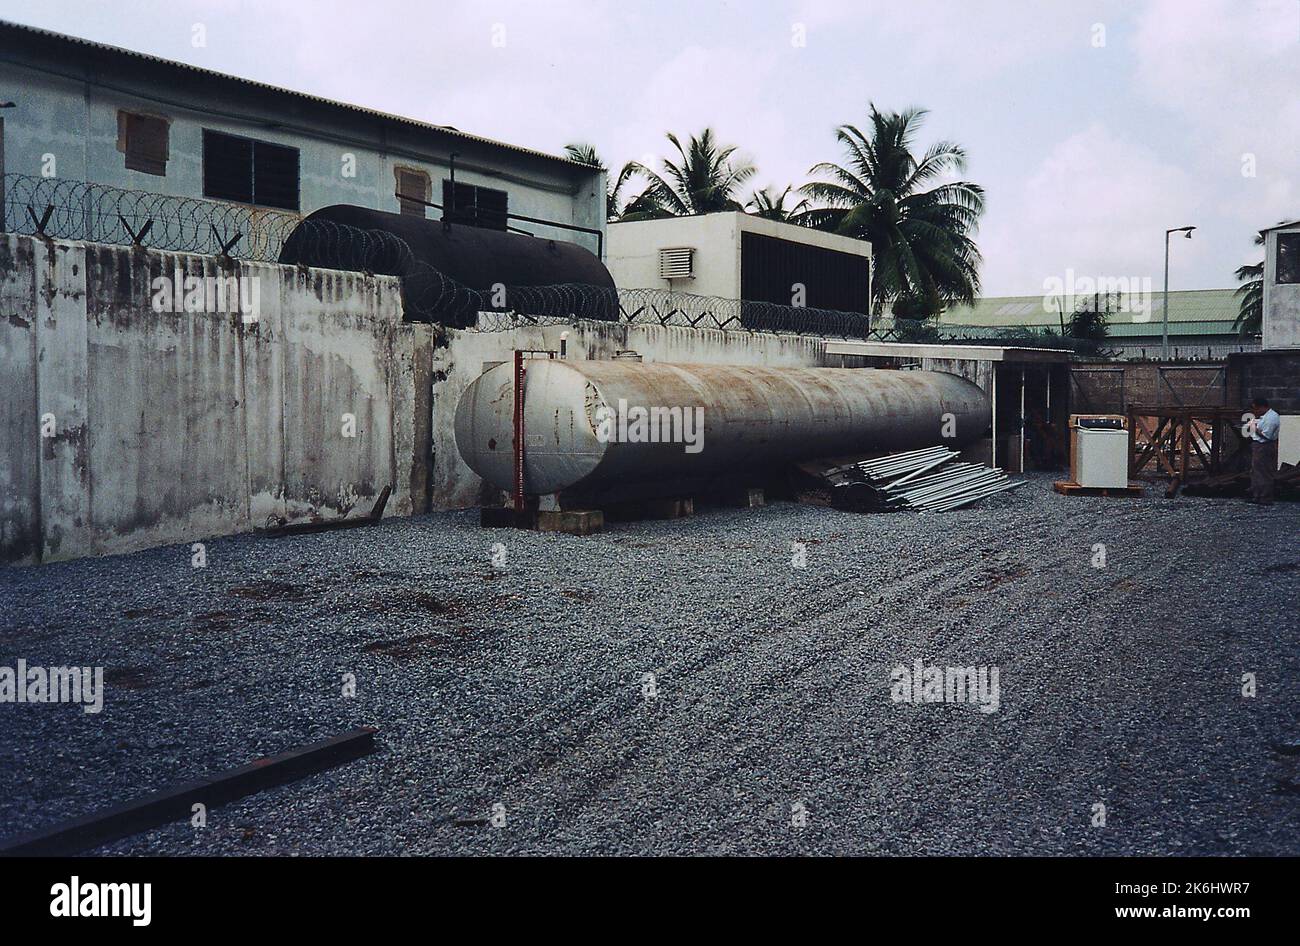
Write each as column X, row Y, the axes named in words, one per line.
column 1066, row 488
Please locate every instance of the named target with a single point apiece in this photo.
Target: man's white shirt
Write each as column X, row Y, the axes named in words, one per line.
column 1266, row 427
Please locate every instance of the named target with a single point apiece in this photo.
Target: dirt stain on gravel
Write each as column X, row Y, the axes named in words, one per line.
column 270, row 591
column 427, row 601
column 398, row 601
column 129, row 678
column 213, row 621
column 135, row 613
column 996, row 575
column 405, row 647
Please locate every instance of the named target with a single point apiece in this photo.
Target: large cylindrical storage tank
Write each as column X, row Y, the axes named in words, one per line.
column 752, row 418
column 450, row 273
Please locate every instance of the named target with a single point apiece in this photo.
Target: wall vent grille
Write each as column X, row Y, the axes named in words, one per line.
column 677, row 262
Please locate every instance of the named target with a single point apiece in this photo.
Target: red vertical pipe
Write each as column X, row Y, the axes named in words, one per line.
column 519, row 431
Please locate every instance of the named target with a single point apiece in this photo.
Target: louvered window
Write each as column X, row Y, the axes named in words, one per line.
column 414, row 185
column 475, row 206
column 249, row 171
column 677, row 262
column 143, row 139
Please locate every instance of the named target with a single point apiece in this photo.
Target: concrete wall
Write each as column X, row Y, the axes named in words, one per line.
column 171, row 426
column 1270, row 374
column 1281, row 300
column 633, row 252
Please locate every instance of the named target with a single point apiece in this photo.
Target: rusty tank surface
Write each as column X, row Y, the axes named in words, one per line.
column 622, row 428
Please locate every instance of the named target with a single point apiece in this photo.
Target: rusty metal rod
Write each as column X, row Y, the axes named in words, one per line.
column 176, row 803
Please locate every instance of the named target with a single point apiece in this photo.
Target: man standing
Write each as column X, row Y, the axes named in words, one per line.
column 1263, row 451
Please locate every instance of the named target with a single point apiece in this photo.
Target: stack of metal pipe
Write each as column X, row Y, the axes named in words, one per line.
column 929, row 480
column 905, row 464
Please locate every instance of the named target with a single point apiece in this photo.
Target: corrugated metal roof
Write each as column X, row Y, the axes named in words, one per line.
column 252, row 83
column 1179, row 327
column 1207, row 307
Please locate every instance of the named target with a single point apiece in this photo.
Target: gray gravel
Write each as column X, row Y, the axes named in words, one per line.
column 523, row 687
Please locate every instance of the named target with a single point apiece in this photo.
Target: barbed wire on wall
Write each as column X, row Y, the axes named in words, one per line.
column 97, row 213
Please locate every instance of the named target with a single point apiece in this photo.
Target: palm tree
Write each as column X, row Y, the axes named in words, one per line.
column 1089, row 327
column 704, row 180
column 586, row 154
column 1250, row 296
column 768, row 204
column 921, row 239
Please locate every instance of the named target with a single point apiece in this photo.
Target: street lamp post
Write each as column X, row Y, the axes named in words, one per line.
column 1164, row 315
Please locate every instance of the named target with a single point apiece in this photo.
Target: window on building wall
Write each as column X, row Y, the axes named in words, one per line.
column 249, row 171
column 414, row 184
column 475, row 206
column 143, row 139
column 1288, row 258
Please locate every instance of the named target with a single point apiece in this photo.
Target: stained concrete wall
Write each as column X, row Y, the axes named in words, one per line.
column 173, row 426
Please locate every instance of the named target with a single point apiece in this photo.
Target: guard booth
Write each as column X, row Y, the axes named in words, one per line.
column 1029, row 389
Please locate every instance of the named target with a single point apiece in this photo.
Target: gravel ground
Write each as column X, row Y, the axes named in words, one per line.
column 523, row 686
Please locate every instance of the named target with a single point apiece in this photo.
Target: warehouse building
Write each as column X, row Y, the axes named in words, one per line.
column 1202, row 323
column 85, row 111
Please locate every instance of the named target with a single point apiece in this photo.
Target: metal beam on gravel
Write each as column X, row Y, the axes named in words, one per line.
column 176, row 803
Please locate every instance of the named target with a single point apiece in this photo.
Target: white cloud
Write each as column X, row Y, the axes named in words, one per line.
column 1231, row 71
column 1098, row 205
column 971, row 39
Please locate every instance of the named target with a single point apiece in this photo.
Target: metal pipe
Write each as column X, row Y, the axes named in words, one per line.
column 907, row 461
column 940, row 488
column 1001, row 488
column 1022, row 419
column 598, row 234
column 956, row 485
column 921, row 469
column 520, row 376
column 973, row 489
column 993, row 455
column 935, row 477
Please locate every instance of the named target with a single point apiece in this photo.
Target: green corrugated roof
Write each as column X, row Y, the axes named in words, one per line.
column 1201, row 311
column 1176, row 327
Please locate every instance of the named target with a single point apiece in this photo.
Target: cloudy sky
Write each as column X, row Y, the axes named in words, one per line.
column 1093, row 125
